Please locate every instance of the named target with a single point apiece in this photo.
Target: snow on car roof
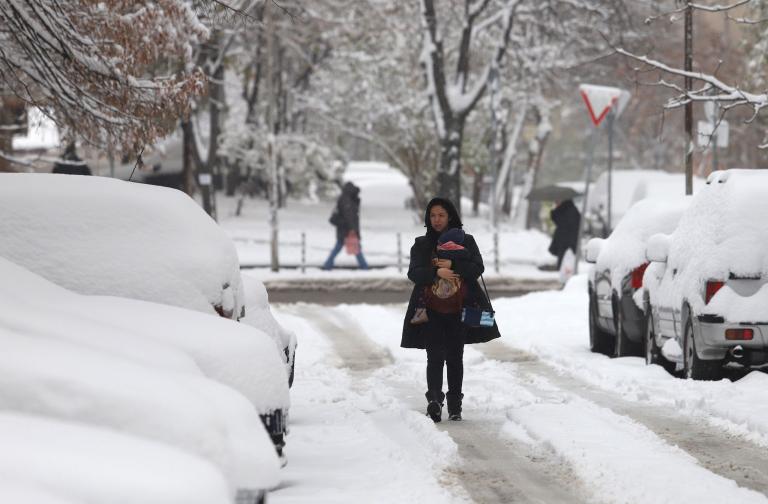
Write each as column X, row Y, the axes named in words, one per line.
column 97, row 235
column 624, row 249
column 82, row 463
column 728, row 219
column 723, row 232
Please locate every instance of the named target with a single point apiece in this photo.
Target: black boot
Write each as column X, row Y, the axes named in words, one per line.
column 454, row 406
column 435, row 405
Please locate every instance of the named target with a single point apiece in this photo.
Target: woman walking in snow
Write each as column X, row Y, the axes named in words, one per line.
column 443, row 286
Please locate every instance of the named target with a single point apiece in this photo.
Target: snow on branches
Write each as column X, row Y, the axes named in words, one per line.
column 117, row 71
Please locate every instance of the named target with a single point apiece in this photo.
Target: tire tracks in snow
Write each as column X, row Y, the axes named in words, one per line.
column 716, row 450
column 494, row 469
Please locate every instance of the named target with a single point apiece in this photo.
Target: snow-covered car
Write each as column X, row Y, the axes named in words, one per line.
column 161, row 338
column 101, row 236
column 707, row 283
column 97, row 235
column 616, row 315
column 629, row 187
column 46, row 461
column 259, row 315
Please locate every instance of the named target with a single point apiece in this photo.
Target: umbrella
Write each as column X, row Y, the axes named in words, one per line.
column 552, row 193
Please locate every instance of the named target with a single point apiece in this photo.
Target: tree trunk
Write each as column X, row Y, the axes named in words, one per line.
column 449, row 169
column 477, row 188
column 188, row 164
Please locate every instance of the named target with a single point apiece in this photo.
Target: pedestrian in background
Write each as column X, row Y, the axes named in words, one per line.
column 447, row 285
column 566, row 218
column 346, row 219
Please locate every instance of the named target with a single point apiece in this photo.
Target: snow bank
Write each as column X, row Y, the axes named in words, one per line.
column 57, row 463
column 97, row 235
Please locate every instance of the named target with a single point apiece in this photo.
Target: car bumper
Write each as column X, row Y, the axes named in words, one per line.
column 712, row 344
column 248, row 496
column 276, row 423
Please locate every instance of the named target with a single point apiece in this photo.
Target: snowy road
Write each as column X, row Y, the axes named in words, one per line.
column 546, row 421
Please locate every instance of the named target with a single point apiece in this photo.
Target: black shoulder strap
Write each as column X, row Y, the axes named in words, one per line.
column 486, row 292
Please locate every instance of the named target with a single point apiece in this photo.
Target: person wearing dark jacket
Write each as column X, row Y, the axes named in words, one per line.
column 346, row 219
column 448, row 285
column 566, row 218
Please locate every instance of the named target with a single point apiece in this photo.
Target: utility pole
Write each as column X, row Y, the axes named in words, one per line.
column 494, row 79
column 689, row 104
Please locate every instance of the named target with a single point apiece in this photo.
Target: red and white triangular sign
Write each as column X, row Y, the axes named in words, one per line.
column 601, row 99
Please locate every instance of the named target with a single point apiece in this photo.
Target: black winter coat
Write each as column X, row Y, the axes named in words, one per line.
column 348, row 211
column 422, row 273
column 566, row 218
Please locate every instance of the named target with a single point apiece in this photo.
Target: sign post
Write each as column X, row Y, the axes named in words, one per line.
column 602, row 103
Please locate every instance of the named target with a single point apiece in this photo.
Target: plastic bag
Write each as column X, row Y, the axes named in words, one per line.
column 567, row 266
column 352, row 243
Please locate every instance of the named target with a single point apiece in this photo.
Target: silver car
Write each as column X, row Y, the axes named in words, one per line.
column 705, row 289
column 616, row 314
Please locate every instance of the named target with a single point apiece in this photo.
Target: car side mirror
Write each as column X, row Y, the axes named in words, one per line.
column 657, row 248
column 593, row 249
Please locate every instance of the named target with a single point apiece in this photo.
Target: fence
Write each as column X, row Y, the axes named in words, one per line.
column 383, row 250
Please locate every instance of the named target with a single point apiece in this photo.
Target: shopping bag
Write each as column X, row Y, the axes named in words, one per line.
column 352, row 243
column 567, row 266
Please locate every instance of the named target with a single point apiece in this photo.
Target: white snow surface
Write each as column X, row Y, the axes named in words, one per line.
column 65, row 367
column 97, row 235
column 56, row 379
column 723, row 232
column 259, row 315
column 624, row 249
column 51, row 462
column 606, row 450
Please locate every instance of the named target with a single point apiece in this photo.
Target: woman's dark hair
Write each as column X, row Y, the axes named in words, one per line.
column 454, row 221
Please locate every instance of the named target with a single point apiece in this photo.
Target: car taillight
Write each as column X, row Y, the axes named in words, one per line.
column 637, row 276
column 738, row 334
column 712, row 288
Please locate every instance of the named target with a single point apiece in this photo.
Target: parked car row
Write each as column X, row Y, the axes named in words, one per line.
column 701, row 302
column 119, row 329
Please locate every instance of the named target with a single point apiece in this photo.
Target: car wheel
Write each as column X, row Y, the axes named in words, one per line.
column 623, row 345
column 693, row 367
column 651, row 349
column 599, row 340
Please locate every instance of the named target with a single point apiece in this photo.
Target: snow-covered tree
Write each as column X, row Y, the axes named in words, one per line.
column 109, row 71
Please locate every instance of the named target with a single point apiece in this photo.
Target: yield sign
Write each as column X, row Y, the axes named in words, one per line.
column 601, row 99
